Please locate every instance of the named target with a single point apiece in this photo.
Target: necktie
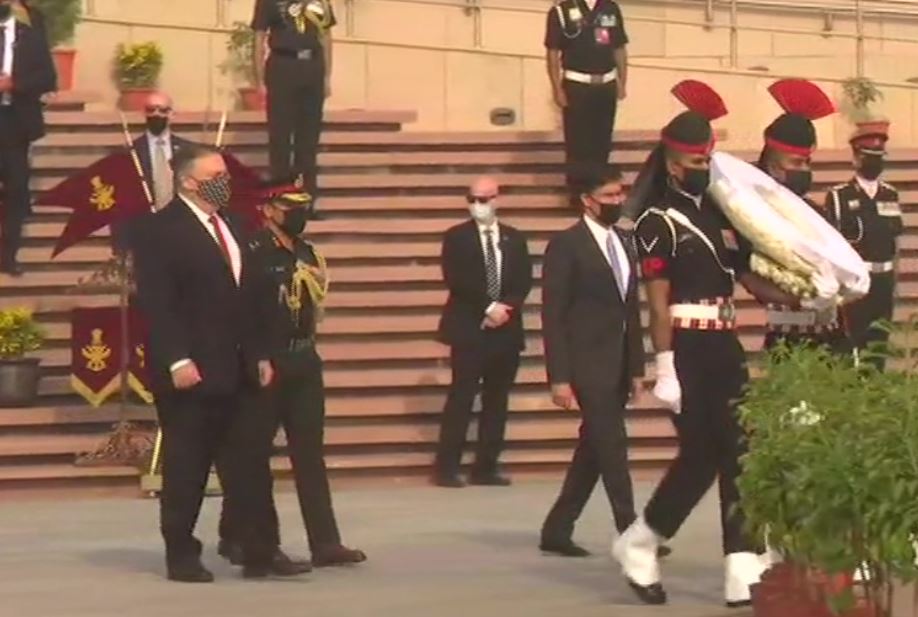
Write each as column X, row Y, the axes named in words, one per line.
column 162, row 176
column 221, row 240
column 616, row 265
column 491, row 272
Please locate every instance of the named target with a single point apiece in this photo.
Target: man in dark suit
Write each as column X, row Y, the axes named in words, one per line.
column 207, row 356
column 594, row 352
column 155, row 149
column 488, row 272
column 26, row 74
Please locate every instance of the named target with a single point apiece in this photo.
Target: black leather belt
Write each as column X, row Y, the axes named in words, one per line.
column 301, row 344
column 302, row 54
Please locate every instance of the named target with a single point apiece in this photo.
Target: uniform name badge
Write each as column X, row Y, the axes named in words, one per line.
column 889, row 208
column 602, row 36
column 854, row 204
column 607, row 21
column 729, row 239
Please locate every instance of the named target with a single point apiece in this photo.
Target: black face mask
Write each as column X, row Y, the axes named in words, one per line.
column 609, row 213
column 695, row 181
column 157, row 125
column 798, row 181
column 294, row 221
column 871, row 167
column 5, row 11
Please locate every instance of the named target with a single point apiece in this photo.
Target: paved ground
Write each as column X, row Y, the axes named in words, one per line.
column 433, row 553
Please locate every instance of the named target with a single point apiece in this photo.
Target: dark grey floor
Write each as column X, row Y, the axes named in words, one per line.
column 433, row 553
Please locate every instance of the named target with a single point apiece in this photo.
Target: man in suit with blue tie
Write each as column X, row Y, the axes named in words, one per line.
column 594, row 351
column 488, row 273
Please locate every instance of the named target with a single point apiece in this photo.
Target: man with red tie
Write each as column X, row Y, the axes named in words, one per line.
column 207, row 360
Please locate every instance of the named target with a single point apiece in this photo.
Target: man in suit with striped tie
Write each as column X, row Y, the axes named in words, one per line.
column 488, row 273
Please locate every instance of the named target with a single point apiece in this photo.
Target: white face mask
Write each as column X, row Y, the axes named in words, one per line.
column 483, row 213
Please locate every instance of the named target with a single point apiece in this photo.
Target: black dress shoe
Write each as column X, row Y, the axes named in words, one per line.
column 489, row 480
column 651, row 594
column 664, row 551
column 283, row 565
column 192, row 572
column 448, row 481
column 564, row 549
column 740, row 604
column 337, row 555
column 231, row 551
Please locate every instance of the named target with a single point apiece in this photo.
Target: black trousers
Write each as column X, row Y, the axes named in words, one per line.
column 490, row 368
column 297, row 403
column 601, row 453
column 589, row 120
column 14, row 176
column 877, row 305
column 296, row 100
column 712, row 372
column 199, row 430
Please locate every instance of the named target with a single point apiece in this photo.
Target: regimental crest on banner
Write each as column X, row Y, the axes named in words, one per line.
column 96, row 354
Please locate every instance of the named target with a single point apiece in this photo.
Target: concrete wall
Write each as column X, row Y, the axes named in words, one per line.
column 454, row 66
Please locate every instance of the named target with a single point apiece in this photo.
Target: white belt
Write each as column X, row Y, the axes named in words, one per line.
column 879, row 267
column 701, row 311
column 792, row 318
column 591, row 78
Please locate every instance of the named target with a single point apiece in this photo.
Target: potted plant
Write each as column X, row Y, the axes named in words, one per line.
column 239, row 64
column 61, row 18
column 137, row 70
column 19, row 335
column 860, row 98
column 831, row 480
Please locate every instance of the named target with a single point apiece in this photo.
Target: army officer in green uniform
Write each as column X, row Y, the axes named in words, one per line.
column 298, row 278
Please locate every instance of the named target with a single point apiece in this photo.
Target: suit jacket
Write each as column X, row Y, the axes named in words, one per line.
column 33, row 76
column 142, row 147
column 193, row 305
column 463, row 264
column 592, row 336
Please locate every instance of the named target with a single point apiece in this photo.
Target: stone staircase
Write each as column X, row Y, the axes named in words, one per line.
column 387, row 196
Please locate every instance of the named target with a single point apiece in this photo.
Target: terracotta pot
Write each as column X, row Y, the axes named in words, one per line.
column 252, row 99
column 64, row 63
column 134, row 99
column 788, row 590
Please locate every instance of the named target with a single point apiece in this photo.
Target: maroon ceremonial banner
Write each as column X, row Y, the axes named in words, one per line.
column 138, row 376
column 95, row 353
column 107, row 191
column 95, row 368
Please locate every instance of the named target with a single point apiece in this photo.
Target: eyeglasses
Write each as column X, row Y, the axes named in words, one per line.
column 158, row 109
column 479, row 199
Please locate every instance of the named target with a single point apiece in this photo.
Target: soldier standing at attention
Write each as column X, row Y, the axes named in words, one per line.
column 866, row 211
column 297, row 34
column 588, row 67
column 298, row 279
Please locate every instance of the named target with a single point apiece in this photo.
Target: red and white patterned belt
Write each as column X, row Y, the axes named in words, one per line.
column 704, row 314
column 788, row 321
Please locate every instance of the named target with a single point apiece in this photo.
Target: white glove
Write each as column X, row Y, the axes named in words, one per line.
column 667, row 388
column 819, row 304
